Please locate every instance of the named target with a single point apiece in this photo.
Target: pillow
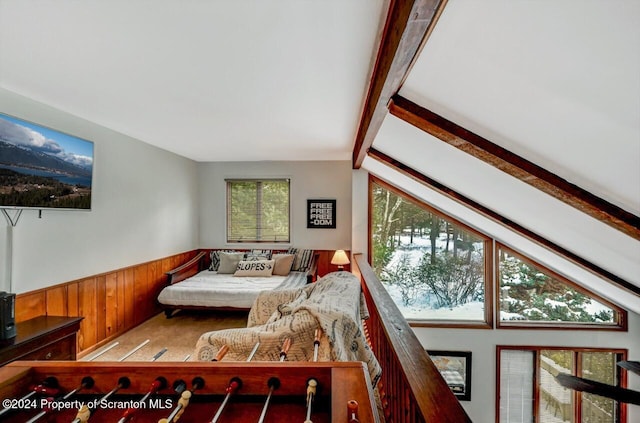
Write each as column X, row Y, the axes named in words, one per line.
column 283, row 263
column 229, row 262
column 255, row 268
column 302, row 260
column 258, row 255
column 214, row 255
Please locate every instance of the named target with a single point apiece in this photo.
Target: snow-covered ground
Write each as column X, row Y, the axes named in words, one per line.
column 422, row 308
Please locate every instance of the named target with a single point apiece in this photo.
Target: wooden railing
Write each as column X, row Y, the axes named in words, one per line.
column 411, row 388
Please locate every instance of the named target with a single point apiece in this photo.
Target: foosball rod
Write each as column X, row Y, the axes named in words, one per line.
column 180, row 387
column 312, row 386
column 273, row 383
column 285, row 349
column 158, row 384
column 86, row 383
column 84, row 413
column 352, row 411
column 183, row 402
column 45, row 409
column 104, row 350
column 253, row 351
column 49, row 387
column 234, row 384
column 316, row 343
column 221, row 353
column 158, row 354
column 130, row 353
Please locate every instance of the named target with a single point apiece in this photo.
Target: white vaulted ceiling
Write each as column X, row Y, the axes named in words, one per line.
column 555, row 82
column 209, row 80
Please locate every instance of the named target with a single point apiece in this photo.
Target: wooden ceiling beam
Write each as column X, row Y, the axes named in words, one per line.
column 407, row 27
column 516, row 166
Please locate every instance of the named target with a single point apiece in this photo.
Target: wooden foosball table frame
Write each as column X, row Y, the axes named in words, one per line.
column 338, row 384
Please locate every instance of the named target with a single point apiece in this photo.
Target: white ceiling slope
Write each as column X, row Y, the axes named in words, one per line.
column 556, row 82
column 208, row 80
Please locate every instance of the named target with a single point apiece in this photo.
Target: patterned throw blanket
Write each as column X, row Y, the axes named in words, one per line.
column 334, row 303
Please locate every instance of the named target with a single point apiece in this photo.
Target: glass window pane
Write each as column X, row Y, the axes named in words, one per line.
column 258, row 210
column 516, row 386
column 242, row 209
column 433, row 268
column 275, row 211
column 556, row 401
column 530, row 294
column 600, row 367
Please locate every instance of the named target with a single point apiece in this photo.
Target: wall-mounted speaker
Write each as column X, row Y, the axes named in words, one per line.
column 7, row 317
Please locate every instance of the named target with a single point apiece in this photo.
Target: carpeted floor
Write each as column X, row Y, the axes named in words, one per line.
column 178, row 335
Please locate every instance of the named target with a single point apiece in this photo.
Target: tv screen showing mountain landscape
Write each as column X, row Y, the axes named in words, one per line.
column 43, row 168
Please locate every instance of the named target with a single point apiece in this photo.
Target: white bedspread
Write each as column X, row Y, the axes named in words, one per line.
column 210, row 289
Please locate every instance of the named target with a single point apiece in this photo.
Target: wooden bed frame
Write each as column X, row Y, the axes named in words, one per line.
column 201, row 262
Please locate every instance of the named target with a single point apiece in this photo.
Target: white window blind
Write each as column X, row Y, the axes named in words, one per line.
column 516, row 386
column 258, row 210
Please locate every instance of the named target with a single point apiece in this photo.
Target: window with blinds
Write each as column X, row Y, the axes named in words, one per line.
column 258, row 210
column 529, row 391
column 516, row 386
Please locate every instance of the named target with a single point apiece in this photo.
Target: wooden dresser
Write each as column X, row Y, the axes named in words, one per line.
column 43, row 338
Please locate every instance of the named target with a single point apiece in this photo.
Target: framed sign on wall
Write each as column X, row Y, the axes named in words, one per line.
column 321, row 214
column 455, row 368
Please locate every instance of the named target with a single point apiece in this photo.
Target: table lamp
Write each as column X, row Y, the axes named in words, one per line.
column 340, row 259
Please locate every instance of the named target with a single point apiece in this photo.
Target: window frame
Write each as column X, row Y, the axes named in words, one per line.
column 620, row 323
column 621, row 376
column 487, row 322
column 228, row 183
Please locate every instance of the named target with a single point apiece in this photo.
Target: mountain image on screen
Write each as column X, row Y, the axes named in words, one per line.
column 43, row 168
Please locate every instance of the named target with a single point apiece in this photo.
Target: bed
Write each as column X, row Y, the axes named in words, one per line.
column 232, row 279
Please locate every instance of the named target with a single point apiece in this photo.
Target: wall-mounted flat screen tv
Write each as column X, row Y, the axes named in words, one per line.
column 41, row 168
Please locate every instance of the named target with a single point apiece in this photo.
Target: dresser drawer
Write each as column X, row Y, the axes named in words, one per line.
column 60, row 350
column 43, row 338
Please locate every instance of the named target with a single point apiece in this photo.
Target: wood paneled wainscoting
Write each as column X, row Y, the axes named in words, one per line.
column 111, row 303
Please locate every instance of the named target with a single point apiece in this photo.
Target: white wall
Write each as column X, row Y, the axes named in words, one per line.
column 360, row 219
column 143, row 208
column 309, row 180
column 482, row 343
column 148, row 203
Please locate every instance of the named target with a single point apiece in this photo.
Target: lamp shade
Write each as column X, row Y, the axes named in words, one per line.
column 340, row 258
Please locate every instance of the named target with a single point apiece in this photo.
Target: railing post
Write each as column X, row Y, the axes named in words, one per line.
column 413, row 389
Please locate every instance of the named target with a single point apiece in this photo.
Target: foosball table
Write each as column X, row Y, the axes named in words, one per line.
column 164, row 392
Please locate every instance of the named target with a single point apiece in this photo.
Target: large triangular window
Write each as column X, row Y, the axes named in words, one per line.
column 532, row 295
column 436, row 269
